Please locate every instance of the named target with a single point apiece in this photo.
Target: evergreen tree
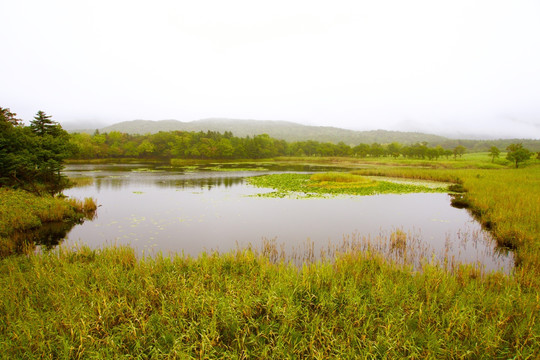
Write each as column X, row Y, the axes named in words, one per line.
column 8, row 118
column 42, row 124
column 31, row 157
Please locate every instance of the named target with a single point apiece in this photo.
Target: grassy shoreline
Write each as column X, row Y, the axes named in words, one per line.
column 82, row 303
column 105, row 303
column 507, row 202
column 21, row 211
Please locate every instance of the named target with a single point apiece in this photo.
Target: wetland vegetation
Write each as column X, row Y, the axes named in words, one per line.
column 367, row 299
column 161, row 209
column 333, row 184
column 107, row 303
column 23, row 213
column 241, row 303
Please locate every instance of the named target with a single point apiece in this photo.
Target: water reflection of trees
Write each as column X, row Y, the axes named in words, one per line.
column 183, row 183
column 202, row 183
column 118, row 177
column 113, row 183
column 46, row 236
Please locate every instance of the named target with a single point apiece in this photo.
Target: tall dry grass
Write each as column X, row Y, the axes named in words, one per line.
column 82, row 303
column 21, row 211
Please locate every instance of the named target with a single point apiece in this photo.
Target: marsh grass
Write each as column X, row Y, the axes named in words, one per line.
column 200, row 162
column 340, row 177
column 107, row 303
column 505, row 201
column 231, row 169
column 472, row 247
column 479, row 160
column 145, row 170
column 339, row 180
column 332, row 184
column 398, row 241
column 81, row 181
column 364, row 298
column 88, row 206
column 21, row 211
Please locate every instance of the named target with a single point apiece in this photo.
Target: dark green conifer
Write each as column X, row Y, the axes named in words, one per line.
column 42, row 124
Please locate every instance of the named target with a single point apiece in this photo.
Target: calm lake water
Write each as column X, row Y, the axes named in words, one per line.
column 195, row 209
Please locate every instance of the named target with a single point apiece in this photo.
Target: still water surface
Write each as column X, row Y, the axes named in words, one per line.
column 192, row 210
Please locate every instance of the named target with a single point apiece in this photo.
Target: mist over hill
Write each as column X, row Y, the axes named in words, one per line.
column 284, row 130
column 291, row 131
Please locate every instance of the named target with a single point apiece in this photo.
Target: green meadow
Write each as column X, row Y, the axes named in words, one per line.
column 481, row 160
column 107, row 303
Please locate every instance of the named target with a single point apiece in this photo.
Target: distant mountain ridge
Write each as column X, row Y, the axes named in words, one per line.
column 290, row 132
column 284, row 130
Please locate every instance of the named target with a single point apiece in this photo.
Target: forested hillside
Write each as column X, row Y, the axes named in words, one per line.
column 282, row 130
column 291, row 132
column 216, row 145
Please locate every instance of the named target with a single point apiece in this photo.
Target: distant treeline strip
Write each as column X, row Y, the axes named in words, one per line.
column 216, row 145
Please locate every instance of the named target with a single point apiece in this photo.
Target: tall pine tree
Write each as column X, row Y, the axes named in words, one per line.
column 42, row 124
column 8, row 118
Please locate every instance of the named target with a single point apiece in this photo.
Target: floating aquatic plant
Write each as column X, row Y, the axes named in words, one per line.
column 331, row 184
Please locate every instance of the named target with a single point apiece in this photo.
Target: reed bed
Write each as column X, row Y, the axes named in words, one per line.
column 81, row 181
column 88, row 206
column 506, row 201
column 410, row 249
column 82, row 303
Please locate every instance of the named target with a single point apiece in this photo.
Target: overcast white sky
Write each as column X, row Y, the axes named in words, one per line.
column 459, row 66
